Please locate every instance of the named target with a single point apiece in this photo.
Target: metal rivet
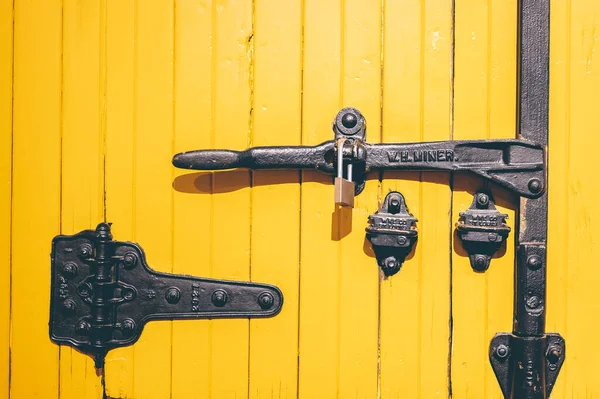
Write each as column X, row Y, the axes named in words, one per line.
column 502, row 351
column 402, row 240
column 483, row 199
column 83, row 327
column 533, row 302
column 130, row 259
column 535, row 185
column 265, row 300
column 534, row 262
column 219, row 298
column 84, row 251
column 69, row 269
column 349, row 120
column 69, row 306
column 127, row 326
column 173, row 295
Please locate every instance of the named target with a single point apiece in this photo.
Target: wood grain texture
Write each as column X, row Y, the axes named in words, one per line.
column 97, row 96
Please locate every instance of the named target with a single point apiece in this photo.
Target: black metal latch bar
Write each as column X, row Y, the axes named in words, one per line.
column 516, row 164
column 103, row 293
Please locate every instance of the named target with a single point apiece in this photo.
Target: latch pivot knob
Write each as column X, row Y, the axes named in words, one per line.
column 482, row 230
column 392, row 232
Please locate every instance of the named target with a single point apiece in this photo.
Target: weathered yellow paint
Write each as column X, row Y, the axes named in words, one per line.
column 98, row 95
column 6, row 81
column 415, row 304
column 82, row 155
column 484, row 107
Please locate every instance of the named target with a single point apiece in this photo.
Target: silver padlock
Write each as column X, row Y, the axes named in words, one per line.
column 344, row 188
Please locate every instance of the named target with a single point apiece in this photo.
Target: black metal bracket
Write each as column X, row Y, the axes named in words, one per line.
column 527, row 363
column 103, row 293
column 482, row 230
column 516, row 164
column 392, row 233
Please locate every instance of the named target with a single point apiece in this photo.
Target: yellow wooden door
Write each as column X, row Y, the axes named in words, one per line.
column 97, row 95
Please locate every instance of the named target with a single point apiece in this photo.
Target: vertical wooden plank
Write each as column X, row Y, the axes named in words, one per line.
column 191, row 367
column 338, row 326
column 572, row 285
column 121, row 130
column 83, row 114
column 276, row 120
column 319, row 329
column 36, row 194
column 230, row 220
column 153, row 180
column 358, row 274
column 484, row 107
column 559, row 136
column 415, row 304
column 6, row 136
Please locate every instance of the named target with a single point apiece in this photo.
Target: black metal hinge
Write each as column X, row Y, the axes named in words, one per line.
column 103, row 293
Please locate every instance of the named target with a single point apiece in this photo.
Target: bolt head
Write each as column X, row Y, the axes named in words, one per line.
column 480, row 262
column 84, row 251
column 173, row 295
column 219, row 298
column 554, row 353
column 533, row 302
column 266, row 300
column 127, row 326
column 402, row 240
column 534, row 262
column 502, row 351
column 535, row 186
column 130, row 259
column 69, row 270
column 483, row 199
column 349, row 120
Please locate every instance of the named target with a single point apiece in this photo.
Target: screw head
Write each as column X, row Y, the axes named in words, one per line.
column 83, row 327
column 69, row 270
column 533, row 302
column 535, row 186
column 553, row 354
column 483, row 199
column 173, row 295
column 265, row 300
column 534, row 262
column 130, row 259
column 127, row 326
column 502, row 352
column 492, row 237
column 390, row 266
column 402, row 240
column 69, row 306
column 84, row 251
column 349, row 120
column 219, row 298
